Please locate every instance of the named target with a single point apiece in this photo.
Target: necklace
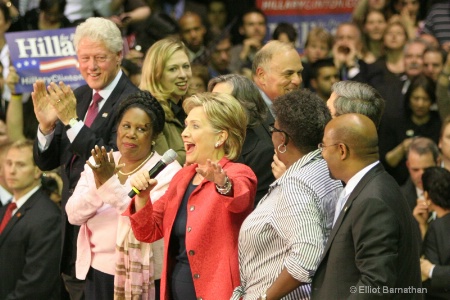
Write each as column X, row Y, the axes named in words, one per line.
column 138, row 167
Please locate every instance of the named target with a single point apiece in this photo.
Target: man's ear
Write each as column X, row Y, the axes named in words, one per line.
column 344, row 152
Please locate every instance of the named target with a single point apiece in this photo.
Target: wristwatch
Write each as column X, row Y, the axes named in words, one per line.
column 72, row 123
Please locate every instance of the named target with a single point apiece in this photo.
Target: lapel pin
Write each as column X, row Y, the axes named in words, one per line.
column 104, row 115
column 345, row 208
column 18, row 215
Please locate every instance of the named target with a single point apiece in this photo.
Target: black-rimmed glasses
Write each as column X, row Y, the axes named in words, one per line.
column 273, row 129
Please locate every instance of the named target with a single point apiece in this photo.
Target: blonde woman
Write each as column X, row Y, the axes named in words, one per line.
column 165, row 74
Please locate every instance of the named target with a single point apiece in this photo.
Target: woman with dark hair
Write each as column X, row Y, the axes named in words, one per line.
column 282, row 240
column 435, row 264
column 418, row 120
column 257, row 150
column 374, row 25
column 100, row 197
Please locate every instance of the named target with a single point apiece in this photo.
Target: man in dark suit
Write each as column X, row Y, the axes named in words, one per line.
column 30, row 240
column 371, row 251
column 72, row 123
column 421, row 154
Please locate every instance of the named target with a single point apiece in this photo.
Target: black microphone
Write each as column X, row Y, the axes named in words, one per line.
column 168, row 158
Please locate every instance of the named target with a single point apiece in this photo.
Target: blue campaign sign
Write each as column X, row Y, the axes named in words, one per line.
column 47, row 55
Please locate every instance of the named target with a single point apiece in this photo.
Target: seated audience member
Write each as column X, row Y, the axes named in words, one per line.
column 373, row 28
column 49, row 15
column 217, row 18
column 101, row 196
column 347, row 50
column 201, row 212
column 444, row 143
column 285, row 32
column 364, row 6
column 317, row 46
column 442, row 90
column 198, row 81
column 418, row 120
column 219, row 56
column 257, row 150
column 433, row 62
column 30, row 231
column 252, row 28
column 372, row 243
column 165, row 74
column 193, row 33
column 435, row 264
column 323, row 75
column 422, row 153
column 282, row 240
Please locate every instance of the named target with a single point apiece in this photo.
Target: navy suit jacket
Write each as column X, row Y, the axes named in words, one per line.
column 373, row 244
column 72, row 156
column 30, row 249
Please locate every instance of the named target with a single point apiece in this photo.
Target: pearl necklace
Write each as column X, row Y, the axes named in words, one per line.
column 138, row 167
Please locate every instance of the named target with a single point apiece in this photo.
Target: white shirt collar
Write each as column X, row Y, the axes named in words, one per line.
column 5, row 196
column 21, row 201
column 353, row 182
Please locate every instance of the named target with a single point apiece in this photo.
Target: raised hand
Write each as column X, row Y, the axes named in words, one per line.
column 213, row 172
column 63, row 101
column 43, row 109
column 105, row 166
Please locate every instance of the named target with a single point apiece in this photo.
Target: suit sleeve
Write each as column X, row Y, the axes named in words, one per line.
column 376, row 233
column 441, row 273
column 41, row 271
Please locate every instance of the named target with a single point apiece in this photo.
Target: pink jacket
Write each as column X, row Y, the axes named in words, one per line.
column 98, row 212
column 213, row 225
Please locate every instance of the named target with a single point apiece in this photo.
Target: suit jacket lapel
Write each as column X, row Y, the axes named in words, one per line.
column 19, row 215
column 356, row 191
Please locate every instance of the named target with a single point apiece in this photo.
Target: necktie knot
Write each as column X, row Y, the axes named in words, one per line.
column 93, row 110
column 96, row 99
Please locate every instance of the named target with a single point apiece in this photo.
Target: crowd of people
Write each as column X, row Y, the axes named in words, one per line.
column 315, row 175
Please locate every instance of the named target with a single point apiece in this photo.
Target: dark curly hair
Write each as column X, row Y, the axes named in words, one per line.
column 145, row 101
column 436, row 182
column 303, row 116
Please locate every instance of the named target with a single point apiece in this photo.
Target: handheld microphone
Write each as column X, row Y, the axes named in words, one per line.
column 167, row 158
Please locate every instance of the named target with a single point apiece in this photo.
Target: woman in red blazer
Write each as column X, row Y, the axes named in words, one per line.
column 206, row 202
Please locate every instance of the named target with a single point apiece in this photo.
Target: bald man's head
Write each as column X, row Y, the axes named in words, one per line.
column 357, row 132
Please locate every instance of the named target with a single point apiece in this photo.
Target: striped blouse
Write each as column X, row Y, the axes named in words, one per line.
column 288, row 229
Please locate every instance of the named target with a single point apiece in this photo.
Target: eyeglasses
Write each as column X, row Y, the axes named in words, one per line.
column 322, row 145
column 273, row 129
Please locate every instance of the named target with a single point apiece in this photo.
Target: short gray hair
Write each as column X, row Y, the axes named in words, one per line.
column 99, row 30
column 247, row 93
column 360, row 98
column 422, row 146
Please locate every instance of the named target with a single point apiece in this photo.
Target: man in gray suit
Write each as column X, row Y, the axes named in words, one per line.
column 372, row 251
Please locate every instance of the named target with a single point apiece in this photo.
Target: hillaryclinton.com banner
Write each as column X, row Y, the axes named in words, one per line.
column 306, row 14
column 47, row 55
